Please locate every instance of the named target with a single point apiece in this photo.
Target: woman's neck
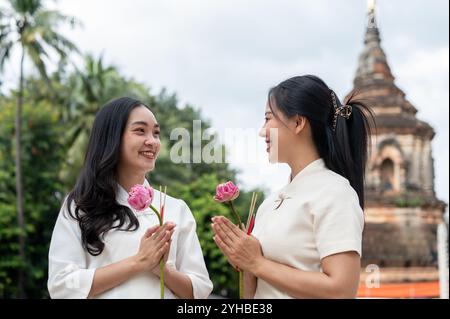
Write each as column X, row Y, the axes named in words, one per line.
column 128, row 179
column 301, row 161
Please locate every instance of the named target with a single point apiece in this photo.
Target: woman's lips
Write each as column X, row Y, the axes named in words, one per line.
column 148, row 154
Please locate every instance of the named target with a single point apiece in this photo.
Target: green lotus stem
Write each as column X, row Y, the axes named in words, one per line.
column 236, row 215
column 161, row 262
column 157, row 214
column 161, row 277
column 241, row 284
column 241, row 273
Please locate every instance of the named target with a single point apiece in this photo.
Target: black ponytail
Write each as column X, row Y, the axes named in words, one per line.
column 341, row 142
column 352, row 139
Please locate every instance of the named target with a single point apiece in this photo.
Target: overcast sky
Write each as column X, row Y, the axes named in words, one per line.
column 223, row 55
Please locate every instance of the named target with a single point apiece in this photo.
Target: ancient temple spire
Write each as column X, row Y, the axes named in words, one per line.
column 373, row 66
column 371, row 14
column 372, row 32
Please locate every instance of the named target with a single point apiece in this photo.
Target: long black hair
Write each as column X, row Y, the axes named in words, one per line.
column 342, row 143
column 94, row 194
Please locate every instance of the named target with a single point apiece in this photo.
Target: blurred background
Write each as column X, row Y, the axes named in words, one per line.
column 60, row 61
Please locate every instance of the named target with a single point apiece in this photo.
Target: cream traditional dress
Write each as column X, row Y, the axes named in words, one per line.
column 316, row 215
column 71, row 267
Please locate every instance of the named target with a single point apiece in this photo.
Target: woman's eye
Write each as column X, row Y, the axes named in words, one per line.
column 140, row 130
column 266, row 119
column 157, row 133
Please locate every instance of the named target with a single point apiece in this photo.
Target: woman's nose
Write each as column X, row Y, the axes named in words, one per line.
column 262, row 132
column 151, row 141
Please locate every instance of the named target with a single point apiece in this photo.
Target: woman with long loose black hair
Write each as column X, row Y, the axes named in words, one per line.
column 308, row 236
column 101, row 247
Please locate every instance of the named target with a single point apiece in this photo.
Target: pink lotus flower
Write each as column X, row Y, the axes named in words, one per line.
column 226, row 192
column 140, row 197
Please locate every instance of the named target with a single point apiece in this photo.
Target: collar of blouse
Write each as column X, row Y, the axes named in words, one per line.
column 288, row 191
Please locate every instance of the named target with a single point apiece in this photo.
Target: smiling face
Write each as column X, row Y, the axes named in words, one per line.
column 279, row 134
column 140, row 143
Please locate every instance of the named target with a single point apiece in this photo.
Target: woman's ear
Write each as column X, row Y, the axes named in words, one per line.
column 300, row 123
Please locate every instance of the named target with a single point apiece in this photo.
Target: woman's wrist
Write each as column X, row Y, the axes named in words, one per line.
column 136, row 264
column 168, row 268
column 257, row 265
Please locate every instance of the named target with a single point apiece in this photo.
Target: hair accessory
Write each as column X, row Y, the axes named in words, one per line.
column 345, row 110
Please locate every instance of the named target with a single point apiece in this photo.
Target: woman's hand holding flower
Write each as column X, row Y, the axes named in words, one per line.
column 243, row 251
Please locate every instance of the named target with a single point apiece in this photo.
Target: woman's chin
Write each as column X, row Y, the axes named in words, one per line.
column 273, row 158
column 149, row 166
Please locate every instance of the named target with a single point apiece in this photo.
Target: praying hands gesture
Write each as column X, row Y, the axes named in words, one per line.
column 242, row 251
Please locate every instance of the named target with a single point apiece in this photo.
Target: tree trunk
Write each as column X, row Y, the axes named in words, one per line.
column 19, row 185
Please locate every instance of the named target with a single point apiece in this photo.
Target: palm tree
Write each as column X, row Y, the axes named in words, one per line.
column 89, row 92
column 26, row 25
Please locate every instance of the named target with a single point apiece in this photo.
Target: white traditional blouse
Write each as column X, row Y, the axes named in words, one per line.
column 71, row 267
column 316, row 215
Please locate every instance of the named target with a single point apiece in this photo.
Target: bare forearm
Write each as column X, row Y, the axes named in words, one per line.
column 113, row 275
column 179, row 283
column 249, row 285
column 299, row 283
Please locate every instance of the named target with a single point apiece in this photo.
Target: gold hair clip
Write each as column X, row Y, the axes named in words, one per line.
column 345, row 110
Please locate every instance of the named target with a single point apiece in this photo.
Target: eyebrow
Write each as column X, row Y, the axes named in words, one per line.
column 267, row 113
column 145, row 124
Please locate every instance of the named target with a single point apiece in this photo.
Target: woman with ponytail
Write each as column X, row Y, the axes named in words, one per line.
column 307, row 238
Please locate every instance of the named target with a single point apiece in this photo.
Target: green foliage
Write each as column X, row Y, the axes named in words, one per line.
column 42, row 154
column 27, row 25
